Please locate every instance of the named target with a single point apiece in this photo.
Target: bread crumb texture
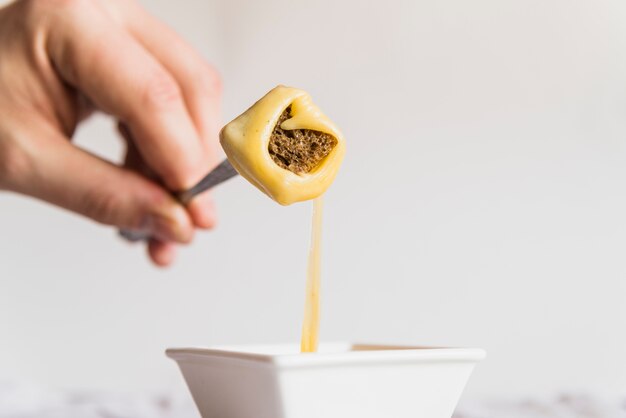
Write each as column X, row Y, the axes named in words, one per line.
column 299, row 150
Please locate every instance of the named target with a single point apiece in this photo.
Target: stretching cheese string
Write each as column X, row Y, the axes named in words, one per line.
column 311, row 325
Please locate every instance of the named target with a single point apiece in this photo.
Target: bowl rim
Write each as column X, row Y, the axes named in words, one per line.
column 331, row 354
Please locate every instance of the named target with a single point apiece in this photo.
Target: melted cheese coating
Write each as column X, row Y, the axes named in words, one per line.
column 246, row 139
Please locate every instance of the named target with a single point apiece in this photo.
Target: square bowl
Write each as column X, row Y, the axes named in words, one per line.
column 341, row 380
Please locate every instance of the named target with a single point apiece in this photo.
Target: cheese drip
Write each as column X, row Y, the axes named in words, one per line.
column 311, row 324
column 286, row 147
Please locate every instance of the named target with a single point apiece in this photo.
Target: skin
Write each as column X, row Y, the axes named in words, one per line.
column 60, row 60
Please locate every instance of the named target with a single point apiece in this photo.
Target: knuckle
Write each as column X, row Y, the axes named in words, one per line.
column 160, row 90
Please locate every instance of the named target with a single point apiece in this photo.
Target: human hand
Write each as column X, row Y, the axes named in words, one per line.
column 62, row 59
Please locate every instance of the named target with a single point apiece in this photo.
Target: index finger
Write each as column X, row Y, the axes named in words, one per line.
column 97, row 56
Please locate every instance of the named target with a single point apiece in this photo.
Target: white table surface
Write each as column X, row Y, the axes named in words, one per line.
column 23, row 400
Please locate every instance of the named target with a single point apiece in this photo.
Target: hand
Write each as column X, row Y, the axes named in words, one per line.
column 61, row 59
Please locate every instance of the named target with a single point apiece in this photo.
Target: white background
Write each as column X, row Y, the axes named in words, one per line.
column 482, row 203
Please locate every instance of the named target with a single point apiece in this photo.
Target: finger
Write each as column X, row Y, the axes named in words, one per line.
column 162, row 253
column 201, row 208
column 203, row 211
column 94, row 54
column 133, row 160
column 76, row 180
column 200, row 84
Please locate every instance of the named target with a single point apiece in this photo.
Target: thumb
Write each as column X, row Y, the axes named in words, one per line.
column 71, row 178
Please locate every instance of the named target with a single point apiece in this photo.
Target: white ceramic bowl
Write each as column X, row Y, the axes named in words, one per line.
column 340, row 381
